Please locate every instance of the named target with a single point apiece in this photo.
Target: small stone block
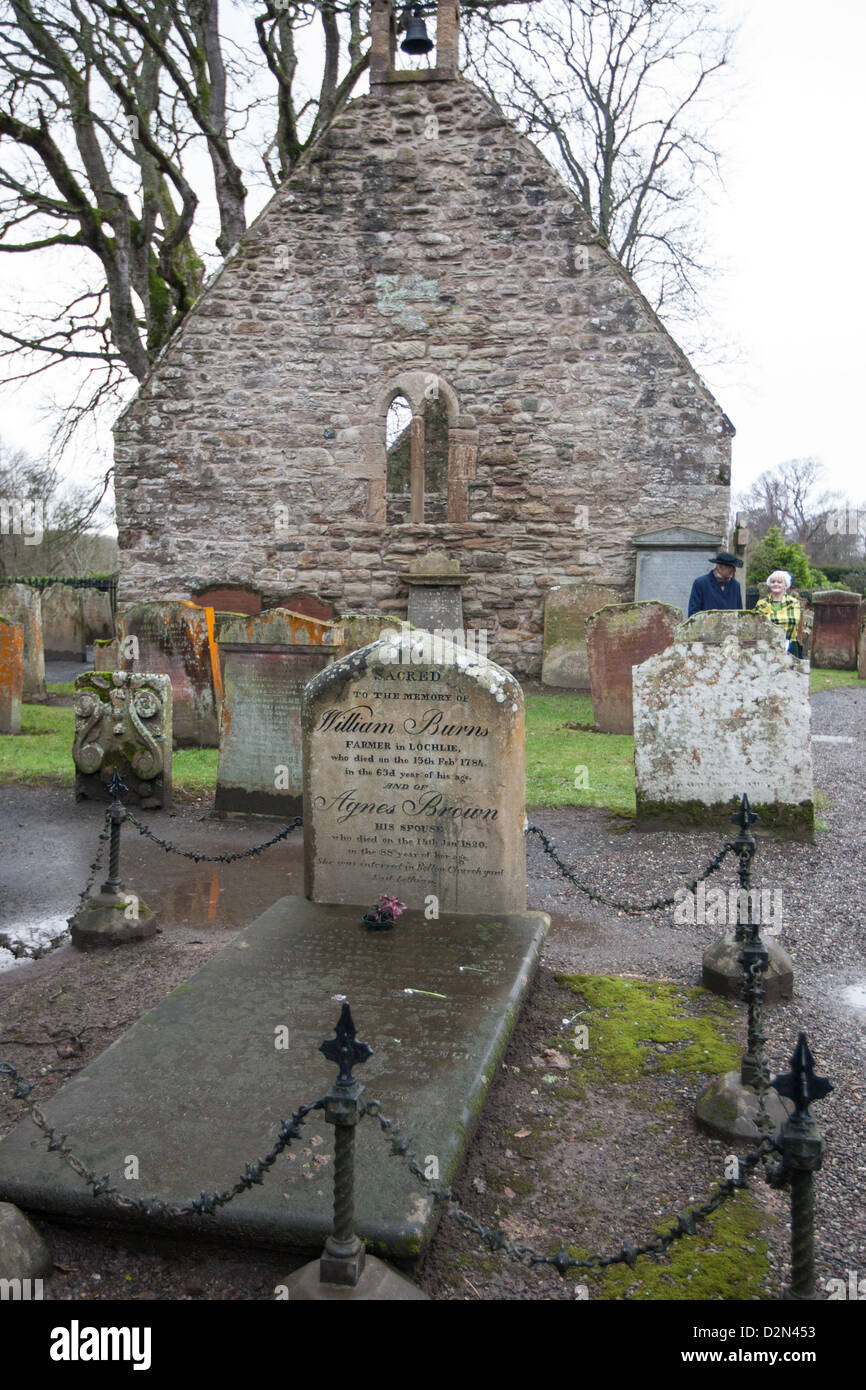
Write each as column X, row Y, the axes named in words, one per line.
column 729, row 1110
column 102, row 921
column 24, row 1254
column 378, row 1283
column 723, row 974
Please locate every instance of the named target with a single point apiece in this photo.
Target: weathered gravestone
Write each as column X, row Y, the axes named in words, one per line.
column 436, row 593
column 123, row 724
column 566, row 662
column 835, row 629
column 268, row 661
column 176, row 639
column 861, row 651
column 360, row 629
column 619, row 637
column 106, row 655
column 668, row 561
column 21, row 604
column 11, row 677
column 724, row 710
column 97, row 614
column 63, row 624
column 414, row 779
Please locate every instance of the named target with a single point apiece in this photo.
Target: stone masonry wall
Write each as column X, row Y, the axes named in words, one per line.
column 423, row 236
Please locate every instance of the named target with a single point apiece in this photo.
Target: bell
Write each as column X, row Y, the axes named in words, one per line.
column 417, row 39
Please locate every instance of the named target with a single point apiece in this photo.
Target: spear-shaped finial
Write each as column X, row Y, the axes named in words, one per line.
column 800, row 1084
column 344, row 1049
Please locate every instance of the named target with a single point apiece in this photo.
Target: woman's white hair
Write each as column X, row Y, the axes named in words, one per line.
column 782, row 574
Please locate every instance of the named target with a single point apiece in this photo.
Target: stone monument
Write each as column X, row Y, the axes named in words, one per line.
column 724, row 710
column 414, row 779
column 21, row 604
column 63, row 624
column 619, row 637
column 566, row 609
column 669, row 561
column 268, row 661
column 177, row 639
column 436, row 593
column 835, row 628
column 98, row 617
column 11, row 677
column 123, row 725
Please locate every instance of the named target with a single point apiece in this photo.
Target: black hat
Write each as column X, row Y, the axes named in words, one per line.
column 725, row 557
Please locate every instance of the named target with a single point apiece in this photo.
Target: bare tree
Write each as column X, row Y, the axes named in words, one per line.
column 47, row 526
column 615, row 91
column 821, row 521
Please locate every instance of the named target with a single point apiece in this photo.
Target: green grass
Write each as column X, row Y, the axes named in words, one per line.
column 554, row 754
column 60, row 687
column 194, row 770
column 833, row 680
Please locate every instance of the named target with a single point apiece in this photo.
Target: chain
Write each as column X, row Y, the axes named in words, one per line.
column 144, row 829
column 204, row 1205
column 22, row 951
column 634, row 908
column 496, row 1239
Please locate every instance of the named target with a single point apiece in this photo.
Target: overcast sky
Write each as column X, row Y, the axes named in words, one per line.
column 789, row 299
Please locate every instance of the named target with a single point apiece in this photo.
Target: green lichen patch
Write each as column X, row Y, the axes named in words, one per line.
column 632, row 1020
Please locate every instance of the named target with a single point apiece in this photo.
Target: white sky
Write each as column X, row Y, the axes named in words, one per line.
column 789, row 299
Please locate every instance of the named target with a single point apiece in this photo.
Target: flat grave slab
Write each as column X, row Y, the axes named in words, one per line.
column 197, row 1088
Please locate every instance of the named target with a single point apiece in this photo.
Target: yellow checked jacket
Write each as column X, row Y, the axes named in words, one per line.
column 786, row 613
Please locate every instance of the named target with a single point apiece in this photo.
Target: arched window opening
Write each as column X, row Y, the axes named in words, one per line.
column 435, row 459
column 398, row 445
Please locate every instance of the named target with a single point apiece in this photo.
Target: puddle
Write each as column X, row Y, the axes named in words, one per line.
column 38, row 935
column 855, row 995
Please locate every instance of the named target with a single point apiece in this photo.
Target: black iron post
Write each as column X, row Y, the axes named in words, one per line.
column 802, row 1154
column 117, row 814
column 755, row 960
column 342, row 1260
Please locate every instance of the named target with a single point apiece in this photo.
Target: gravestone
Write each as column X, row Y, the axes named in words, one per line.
column 106, row 655
column 21, row 604
column 11, row 677
column 361, row 629
column 724, row 710
column 176, row 639
column 123, row 723
column 668, row 561
column 835, row 629
column 414, row 779
column 97, row 614
column 63, row 624
column 861, row 652
column 436, row 593
column 566, row 662
column 618, row 637
column 268, row 661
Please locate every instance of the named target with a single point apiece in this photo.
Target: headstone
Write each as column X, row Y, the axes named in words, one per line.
column 123, row 723
column 835, row 629
column 268, row 661
column 302, row 601
column 177, row 639
column 861, row 653
column 21, row 604
column 63, row 624
column 436, row 593
column 106, row 655
column 668, row 562
column 724, row 710
column 414, row 779
column 98, row 617
column 11, row 677
column 361, row 629
column 618, row 637
column 566, row 662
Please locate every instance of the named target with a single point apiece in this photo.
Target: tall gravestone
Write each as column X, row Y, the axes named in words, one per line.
column 21, row 604
column 63, row 624
column 268, row 661
column 724, row 710
column 835, row 628
column 861, row 651
column 668, row 561
column 176, row 639
column 97, row 614
column 566, row 661
column 11, row 677
column 414, row 779
column 436, row 593
column 123, row 724
column 619, row 637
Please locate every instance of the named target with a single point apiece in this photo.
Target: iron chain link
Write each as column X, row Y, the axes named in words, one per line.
column 145, row 830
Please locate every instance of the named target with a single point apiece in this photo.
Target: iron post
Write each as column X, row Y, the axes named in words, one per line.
column 802, row 1149
column 342, row 1261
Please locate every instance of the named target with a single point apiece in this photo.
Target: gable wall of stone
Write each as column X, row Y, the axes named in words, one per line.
column 424, row 236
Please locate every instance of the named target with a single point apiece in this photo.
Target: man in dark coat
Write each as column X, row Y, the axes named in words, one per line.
column 719, row 588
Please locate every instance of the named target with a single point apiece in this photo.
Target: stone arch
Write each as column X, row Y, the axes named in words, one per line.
column 420, row 388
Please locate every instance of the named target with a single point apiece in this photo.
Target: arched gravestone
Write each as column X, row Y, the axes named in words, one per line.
column 414, row 778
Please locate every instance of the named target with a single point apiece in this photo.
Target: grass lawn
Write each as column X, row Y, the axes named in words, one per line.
column 564, row 767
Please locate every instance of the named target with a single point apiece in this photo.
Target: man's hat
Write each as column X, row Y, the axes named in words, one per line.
column 725, row 557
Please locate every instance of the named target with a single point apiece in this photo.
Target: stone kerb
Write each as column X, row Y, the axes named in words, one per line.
column 619, row 637
column 414, row 779
column 21, row 604
column 11, row 677
column 724, row 710
column 269, row 658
